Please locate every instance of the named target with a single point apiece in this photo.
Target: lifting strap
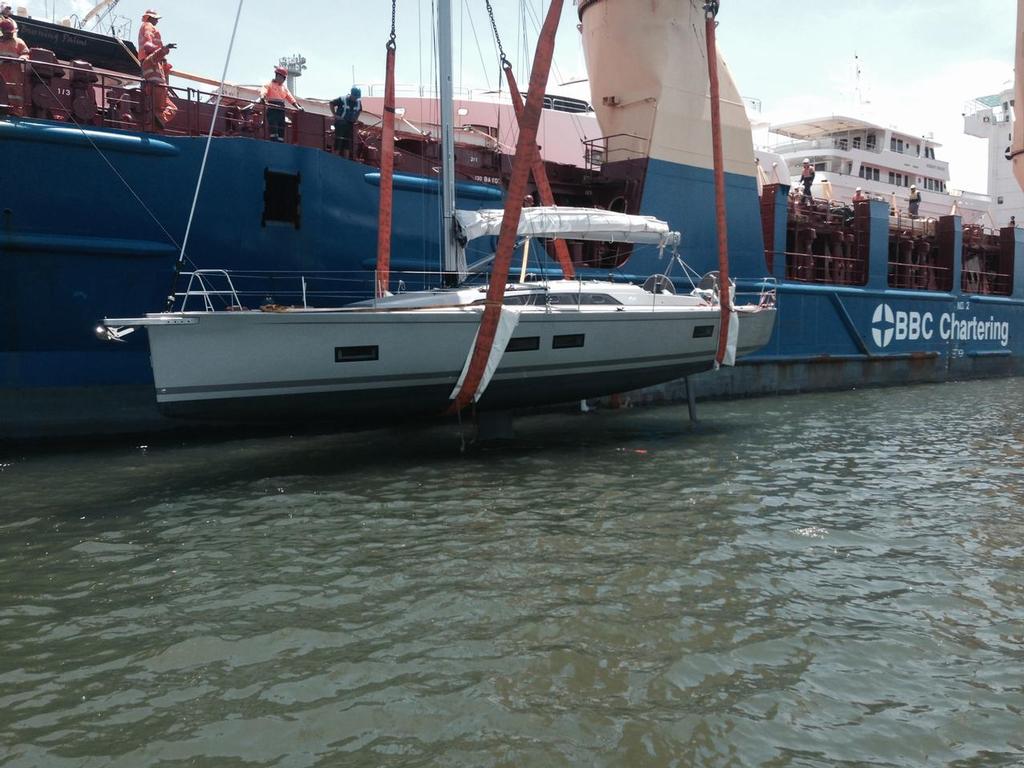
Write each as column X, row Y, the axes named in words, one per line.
column 724, row 292
column 525, row 150
column 540, row 175
column 387, row 168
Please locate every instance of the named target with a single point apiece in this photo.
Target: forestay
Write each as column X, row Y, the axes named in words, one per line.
column 571, row 224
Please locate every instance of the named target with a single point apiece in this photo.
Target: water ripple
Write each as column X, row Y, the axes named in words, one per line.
column 824, row 580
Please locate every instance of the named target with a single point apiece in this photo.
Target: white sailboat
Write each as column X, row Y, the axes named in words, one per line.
column 404, row 355
column 415, row 354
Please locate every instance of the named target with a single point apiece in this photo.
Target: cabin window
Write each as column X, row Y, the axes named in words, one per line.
column 356, row 354
column 523, row 344
column 999, row 200
column 281, row 197
column 867, row 172
column 703, row 331
column 567, row 341
column 856, row 142
column 871, row 141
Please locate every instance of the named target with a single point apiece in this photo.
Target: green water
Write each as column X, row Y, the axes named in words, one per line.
column 808, row 581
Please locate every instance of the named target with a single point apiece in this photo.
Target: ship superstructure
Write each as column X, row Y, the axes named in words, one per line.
column 849, row 152
column 991, row 117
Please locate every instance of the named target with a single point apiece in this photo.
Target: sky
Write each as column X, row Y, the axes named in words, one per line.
column 921, row 61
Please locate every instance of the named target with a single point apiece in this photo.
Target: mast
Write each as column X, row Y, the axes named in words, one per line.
column 446, row 94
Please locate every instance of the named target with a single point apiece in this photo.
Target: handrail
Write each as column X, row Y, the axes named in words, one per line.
column 124, row 101
column 596, row 150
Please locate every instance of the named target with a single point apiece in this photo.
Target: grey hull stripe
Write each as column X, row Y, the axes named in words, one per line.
column 421, row 380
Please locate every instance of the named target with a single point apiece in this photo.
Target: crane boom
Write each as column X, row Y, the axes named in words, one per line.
column 102, row 7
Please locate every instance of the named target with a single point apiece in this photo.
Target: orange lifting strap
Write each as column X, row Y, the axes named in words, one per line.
column 526, row 149
column 540, row 175
column 724, row 293
column 387, row 172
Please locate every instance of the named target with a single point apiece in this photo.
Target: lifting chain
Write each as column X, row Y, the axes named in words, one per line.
column 505, row 63
column 391, row 40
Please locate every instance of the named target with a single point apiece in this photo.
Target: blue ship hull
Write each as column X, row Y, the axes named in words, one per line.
column 97, row 236
column 836, row 336
column 90, row 227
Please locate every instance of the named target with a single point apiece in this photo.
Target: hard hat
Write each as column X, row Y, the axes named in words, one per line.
column 150, row 14
column 858, row 189
column 6, row 25
column 356, row 92
column 281, row 71
column 913, row 186
column 807, row 160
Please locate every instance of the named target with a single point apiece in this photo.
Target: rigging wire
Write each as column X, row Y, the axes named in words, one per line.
column 574, row 119
column 479, row 50
column 206, row 152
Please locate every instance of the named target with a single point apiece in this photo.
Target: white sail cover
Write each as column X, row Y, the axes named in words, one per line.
column 571, row 224
column 507, row 322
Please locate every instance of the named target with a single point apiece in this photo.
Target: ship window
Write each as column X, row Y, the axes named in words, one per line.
column 523, row 344
column 856, row 142
column 999, row 200
column 281, row 198
column 703, row 331
column 567, row 341
column 871, row 141
column 356, row 354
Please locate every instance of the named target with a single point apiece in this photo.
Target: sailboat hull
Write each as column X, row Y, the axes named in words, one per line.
column 353, row 367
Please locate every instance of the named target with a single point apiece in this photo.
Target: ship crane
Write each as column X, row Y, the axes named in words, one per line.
column 98, row 12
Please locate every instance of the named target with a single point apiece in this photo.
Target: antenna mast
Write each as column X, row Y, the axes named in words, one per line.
column 295, row 64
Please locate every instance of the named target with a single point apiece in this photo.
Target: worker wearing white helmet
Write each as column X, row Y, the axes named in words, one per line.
column 807, row 178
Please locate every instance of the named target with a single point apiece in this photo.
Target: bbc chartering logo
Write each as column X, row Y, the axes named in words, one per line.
column 883, row 325
column 889, row 325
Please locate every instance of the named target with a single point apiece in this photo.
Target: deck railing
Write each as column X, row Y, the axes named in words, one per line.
column 79, row 95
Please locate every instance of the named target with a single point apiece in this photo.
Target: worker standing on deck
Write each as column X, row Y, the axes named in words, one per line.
column 346, row 114
column 13, row 72
column 859, row 196
column 807, row 178
column 155, row 68
column 276, row 95
column 914, row 201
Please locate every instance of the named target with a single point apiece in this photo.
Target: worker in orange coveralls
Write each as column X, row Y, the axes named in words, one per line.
column 276, row 95
column 156, row 68
column 12, row 72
